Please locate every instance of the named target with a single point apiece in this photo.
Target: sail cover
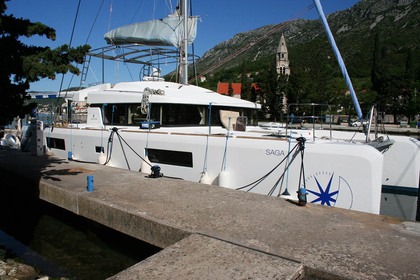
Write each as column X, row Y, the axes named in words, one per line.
column 160, row 32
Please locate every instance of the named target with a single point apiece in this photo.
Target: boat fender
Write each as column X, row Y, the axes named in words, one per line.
column 145, row 166
column 69, row 155
column 155, row 172
column 102, row 158
column 224, row 179
column 11, row 141
column 302, row 196
column 286, row 195
column 205, row 178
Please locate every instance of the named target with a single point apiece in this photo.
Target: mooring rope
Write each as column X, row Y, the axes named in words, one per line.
column 121, row 140
column 258, row 181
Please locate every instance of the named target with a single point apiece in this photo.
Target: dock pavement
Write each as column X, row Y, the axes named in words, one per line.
column 209, row 232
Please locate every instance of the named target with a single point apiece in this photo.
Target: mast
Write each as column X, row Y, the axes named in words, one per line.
column 184, row 45
column 339, row 59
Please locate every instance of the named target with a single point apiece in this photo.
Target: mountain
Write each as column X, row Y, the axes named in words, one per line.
column 396, row 21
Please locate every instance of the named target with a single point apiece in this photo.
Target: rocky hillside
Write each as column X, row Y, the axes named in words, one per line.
column 397, row 22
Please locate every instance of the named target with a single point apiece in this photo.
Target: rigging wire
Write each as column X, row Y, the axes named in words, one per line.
column 207, row 140
column 286, row 191
column 250, row 45
column 87, row 40
column 193, row 50
column 62, row 77
column 110, row 15
column 74, row 23
column 94, row 21
column 226, row 146
column 71, row 40
column 137, row 10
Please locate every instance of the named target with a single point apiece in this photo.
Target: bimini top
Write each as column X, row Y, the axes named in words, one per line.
column 160, row 32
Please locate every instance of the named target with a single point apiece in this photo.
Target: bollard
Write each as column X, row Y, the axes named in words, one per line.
column 90, row 183
column 155, row 172
column 302, row 196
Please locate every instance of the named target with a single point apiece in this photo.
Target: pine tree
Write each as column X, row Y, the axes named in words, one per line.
column 268, row 82
column 230, row 89
column 27, row 63
column 245, row 83
column 412, row 82
column 375, row 74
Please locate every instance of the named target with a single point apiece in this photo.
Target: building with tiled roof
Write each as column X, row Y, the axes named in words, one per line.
column 223, row 88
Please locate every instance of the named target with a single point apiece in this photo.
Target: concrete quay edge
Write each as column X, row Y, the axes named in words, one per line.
column 229, row 234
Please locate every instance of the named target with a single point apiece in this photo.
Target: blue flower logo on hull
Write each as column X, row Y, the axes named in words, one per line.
column 324, row 196
column 324, row 189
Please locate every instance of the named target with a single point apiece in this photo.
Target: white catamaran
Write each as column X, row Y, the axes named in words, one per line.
column 184, row 131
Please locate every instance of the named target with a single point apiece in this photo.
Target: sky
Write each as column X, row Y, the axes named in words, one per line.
column 219, row 21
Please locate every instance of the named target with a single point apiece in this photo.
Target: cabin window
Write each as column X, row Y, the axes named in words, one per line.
column 181, row 114
column 250, row 114
column 177, row 158
column 122, row 114
column 56, row 143
column 194, row 115
column 170, row 114
column 135, row 115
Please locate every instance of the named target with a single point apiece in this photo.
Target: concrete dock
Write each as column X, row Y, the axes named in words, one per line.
column 208, row 232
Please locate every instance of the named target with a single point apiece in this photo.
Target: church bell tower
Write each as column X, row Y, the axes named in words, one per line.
column 282, row 58
column 282, row 66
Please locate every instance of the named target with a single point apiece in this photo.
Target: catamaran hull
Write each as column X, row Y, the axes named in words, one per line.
column 335, row 174
column 401, row 174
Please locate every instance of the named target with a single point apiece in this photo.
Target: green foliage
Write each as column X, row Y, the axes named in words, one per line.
column 397, row 89
column 246, row 82
column 26, row 63
column 378, row 40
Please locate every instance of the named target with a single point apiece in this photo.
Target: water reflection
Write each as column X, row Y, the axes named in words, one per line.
column 60, row 242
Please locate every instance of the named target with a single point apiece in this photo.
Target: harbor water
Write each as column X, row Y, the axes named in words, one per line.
column 59, row 243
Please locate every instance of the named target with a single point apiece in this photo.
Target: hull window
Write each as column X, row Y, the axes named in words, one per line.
column 56, row 143
column 170, row 157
